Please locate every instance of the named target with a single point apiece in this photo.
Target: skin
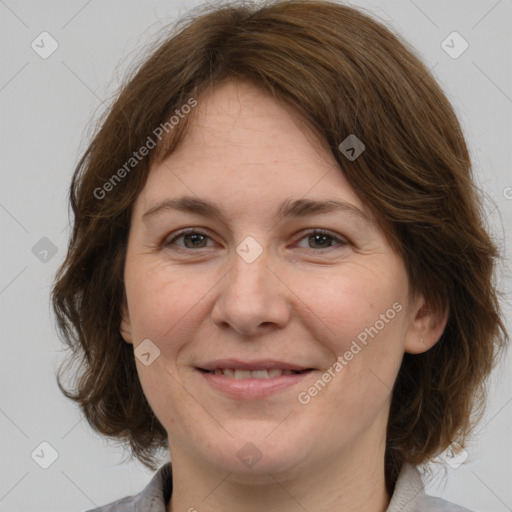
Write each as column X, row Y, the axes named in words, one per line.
column 303, row 300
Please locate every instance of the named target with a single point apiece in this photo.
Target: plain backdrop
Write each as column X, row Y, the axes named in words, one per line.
column 47, row 106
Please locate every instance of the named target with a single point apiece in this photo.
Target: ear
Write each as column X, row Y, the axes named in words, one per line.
column 426, row 326
column 125, row 328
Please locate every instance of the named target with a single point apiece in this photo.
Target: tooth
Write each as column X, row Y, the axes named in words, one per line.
column 242, row 374
column 260, row 374
column 234, row 373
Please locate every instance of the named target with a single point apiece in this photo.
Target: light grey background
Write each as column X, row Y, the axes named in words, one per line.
column 46, row 109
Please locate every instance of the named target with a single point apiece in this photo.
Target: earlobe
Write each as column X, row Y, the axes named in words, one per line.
column 425, row 329
column 125, row 328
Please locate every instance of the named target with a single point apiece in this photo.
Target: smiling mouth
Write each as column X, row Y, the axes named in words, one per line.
column 256, row 380
column 238, row 374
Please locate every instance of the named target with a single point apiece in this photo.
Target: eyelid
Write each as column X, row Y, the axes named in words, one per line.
column 340, row 240
column 184, row 232
column 319, row 231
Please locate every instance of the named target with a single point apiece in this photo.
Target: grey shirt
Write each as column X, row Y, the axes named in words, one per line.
column 409, row 495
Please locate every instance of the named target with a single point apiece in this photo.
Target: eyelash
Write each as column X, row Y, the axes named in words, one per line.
column 314, row 232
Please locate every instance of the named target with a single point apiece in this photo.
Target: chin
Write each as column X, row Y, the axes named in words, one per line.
column 256, row 454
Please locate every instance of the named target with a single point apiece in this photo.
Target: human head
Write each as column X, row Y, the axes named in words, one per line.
column 343, row 74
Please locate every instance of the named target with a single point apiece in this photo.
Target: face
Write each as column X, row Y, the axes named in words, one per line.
column 276, row 326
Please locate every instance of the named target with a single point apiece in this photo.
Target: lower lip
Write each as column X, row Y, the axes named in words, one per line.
column 253, row 388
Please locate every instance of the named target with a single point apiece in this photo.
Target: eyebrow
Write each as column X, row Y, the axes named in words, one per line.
column 289, row 208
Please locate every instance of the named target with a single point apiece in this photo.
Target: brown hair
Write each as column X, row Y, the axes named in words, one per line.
column 343, row 73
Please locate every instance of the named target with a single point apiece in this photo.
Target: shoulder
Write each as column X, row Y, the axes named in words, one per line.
column 431, row 504
column 153, row 498
column 126, row 504
column 409, row 495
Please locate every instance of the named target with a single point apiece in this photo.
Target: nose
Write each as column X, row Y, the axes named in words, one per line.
column 252, row 298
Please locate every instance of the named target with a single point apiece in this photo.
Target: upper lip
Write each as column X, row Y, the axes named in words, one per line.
column 260, row 364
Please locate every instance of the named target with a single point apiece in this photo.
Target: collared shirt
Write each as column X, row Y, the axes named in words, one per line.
column 408, row 496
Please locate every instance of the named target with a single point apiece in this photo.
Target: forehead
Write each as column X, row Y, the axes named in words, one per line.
column 245, row 148
column 238, row 119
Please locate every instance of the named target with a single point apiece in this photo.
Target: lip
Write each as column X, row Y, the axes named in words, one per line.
column 260, row 364
column 252, row 389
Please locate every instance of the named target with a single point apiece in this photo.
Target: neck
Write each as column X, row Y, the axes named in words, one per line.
column 349, row 482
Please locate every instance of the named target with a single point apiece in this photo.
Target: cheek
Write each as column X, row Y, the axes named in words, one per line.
column 162, row 300
column 164, row 307
column 364, row 309
column 355, row 301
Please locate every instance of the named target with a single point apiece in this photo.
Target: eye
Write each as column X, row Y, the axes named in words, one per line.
column 192, row 238
column 322, row 239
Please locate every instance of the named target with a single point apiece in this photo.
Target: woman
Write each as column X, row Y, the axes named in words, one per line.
column 278, row 269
